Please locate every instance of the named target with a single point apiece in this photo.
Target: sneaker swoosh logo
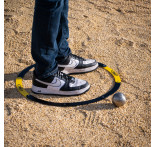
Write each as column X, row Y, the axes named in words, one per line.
column 73, row 63
column 56, row 84
column 89, row 61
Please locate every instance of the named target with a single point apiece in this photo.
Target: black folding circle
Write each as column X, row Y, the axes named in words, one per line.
column 35, row 99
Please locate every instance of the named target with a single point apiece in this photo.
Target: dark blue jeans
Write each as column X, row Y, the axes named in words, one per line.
column 49, row 35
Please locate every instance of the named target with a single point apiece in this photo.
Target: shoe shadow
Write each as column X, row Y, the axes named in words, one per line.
column 10, row 79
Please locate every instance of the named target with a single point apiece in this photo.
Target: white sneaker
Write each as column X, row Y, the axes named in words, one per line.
column 75, row 64
column 59, row 84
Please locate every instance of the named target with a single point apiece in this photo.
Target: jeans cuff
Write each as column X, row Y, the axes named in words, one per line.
column 48, row 74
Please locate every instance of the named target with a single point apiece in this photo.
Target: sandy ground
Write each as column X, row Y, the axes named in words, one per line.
column 114, row 32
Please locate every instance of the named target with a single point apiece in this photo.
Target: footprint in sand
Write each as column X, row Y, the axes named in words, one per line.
column 124, row 42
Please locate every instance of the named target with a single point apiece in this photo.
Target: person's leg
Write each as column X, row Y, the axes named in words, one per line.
column 67, row 62
column 44, row 49
column 46, row 78
column 63, row 33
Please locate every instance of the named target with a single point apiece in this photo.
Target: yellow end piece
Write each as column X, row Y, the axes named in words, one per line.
column 115, row 75
column 20, row 87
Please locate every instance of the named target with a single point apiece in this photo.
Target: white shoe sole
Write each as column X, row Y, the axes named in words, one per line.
column 71, row 71
column 39, row 90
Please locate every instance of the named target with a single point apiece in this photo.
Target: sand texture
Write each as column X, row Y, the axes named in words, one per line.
column 114, row 32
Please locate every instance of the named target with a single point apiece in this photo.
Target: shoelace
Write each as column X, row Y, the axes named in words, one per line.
column 77, row 57
column 61, row 75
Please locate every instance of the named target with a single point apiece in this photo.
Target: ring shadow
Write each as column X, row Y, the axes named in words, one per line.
column 97, row 106
column 11, row 93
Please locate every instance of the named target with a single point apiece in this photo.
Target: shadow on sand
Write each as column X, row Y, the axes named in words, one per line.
column 11, row 93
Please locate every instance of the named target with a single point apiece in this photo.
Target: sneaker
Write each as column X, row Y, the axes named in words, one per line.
column 59, row 84
column 75, row 64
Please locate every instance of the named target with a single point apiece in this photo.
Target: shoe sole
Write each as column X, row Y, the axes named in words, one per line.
column 80, row 71
column 39, row 90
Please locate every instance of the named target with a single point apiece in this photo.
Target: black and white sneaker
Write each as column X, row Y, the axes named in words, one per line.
column 75, row 64
column 59, row 84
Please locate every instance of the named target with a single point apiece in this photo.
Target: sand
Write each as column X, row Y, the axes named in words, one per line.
column 114, row 32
